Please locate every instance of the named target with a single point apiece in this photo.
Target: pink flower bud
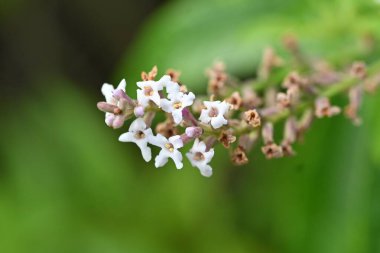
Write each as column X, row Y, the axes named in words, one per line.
column 139, row 111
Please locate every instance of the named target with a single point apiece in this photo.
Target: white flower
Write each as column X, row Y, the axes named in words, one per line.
column 149, row 91
column 172, row 87
column 139, row 134
column 108, row 92
column 200, row 158
column 169, row 149
column 214, row 113
column 178, row 101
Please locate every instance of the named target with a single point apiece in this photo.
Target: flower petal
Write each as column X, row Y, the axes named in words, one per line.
column 137, row 125
column 127, row 137
column 122, row 85
column 161, row 159
column 177, row 116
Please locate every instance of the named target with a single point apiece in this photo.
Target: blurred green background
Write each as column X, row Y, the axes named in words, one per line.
column 68, row 185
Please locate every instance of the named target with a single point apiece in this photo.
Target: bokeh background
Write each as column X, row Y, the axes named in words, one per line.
column 68, row 185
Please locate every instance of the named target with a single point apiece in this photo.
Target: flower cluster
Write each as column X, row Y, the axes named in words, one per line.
column 235, row 114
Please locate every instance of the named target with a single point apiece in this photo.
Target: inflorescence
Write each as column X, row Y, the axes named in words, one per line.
column 235, row 114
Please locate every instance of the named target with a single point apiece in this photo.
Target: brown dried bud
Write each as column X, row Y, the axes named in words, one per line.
column 217, row 78
column 358, row 70
column 324, row 74
column 269, row 61
column 272, row 150
column 287, row 149
column 267, row 133
column 283, row 100
column 290, row 130
column 174, row 75
column 239, row 156
column 226, row 138
column 291, row 43
column 372, row 84
column 167, row 128
column 304, row 123
column 351, row 110
column 151, row 75
column 235, row 101
column 252, row 118
column 324, row 109
column 250, row 98
column 294, row 79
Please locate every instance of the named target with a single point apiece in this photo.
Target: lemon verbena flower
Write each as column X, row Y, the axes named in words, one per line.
column 169, row 149
column 199, row 157
column 214, row 113
column 139, row 134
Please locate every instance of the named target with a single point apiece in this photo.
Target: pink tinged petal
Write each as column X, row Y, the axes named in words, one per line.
column 106, row 107
column 109, row 119
column 122, row 85
column 139, row 111
column 120, row 94
column 166, row 105
column 118, row 121
column 194, row 132
column 176, row 141
column 161, row 159
column 127, row 137
column 177, row 116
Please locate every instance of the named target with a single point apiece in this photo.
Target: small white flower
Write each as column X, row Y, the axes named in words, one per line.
column 149, row 91
column 178, row 101
column 108, row 92
column 200, row 158
column 139, row 134
column 214, row 113
column 169, row 149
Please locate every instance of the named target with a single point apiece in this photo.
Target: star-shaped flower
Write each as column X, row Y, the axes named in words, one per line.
column 214, row 113
column 116, row 104
column 139, row 134
column 176, row 103
column 200, row 158
column 149, row 91
column 169, row 149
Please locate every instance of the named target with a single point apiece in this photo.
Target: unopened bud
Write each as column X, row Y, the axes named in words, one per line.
column 193, row 132
column 139, row 111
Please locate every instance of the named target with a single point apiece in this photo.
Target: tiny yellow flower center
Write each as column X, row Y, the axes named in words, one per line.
column 177, row 105
column 139, row 135
column 148, row 91
column 198, row 156
column 169, row 147
column 213, row 112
